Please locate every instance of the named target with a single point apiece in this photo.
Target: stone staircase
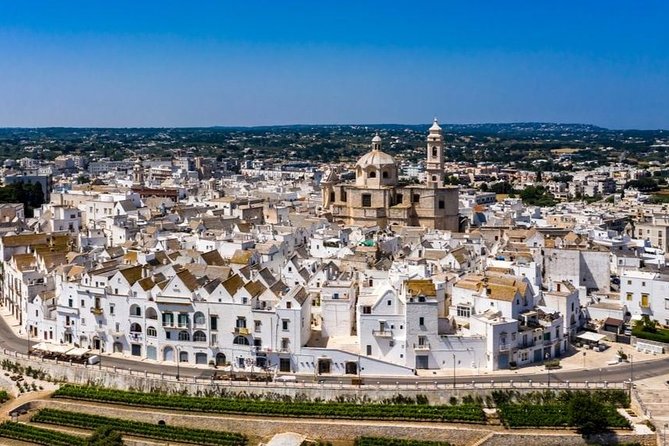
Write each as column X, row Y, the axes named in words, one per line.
column 652, row 396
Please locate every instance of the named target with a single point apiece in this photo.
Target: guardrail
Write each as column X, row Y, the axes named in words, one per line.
column 368, row 383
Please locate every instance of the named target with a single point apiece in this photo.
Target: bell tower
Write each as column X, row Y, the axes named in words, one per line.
column 434, row 170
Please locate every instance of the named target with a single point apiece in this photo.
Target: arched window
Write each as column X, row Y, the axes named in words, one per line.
column 151, row 332
column 199, row 318
column 151, row 313
column 434, row 151
column 372, row 174
column 135, row 328
column 184, row 336
column 135, row 310
column 199, row 336
column 240, row 340
column 385, row 174
column 434, row 178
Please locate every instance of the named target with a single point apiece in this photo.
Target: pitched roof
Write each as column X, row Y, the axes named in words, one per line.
column 213, row 258
column 234, row 283
column 132, row 274
column 188, row 279
column 255, row 288
column 418, row 287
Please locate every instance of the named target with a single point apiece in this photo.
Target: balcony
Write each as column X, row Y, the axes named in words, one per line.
column 96, row 311
column 421, row 346
column 242, row 331
column 168, row 324
column 505, row 347
column 134, row 336
column 382, row 333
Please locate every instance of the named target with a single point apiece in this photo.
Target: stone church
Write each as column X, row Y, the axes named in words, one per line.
column 377, row 198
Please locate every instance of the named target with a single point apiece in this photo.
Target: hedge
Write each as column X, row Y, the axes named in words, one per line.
column 377, row 441
column 468, row 413
column 37, row 435
column 140, row 429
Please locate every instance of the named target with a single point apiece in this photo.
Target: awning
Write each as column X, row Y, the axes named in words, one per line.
column 78, row 351
column 590, row 336
column 52, row 348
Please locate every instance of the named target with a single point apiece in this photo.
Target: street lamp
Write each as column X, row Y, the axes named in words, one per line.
column 584, row 360
column 548, row 370
column 664, row 434
column 178, row 360
column 454, row 370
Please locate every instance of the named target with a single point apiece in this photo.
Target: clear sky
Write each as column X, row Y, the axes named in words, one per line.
column 212, row 62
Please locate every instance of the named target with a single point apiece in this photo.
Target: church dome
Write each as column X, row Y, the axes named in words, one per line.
column 376, row 157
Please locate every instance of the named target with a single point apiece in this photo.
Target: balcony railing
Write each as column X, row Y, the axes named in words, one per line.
column 382, row 333
column 96, row 311
column 422, row 346
column 505, row 346
column 242, row 331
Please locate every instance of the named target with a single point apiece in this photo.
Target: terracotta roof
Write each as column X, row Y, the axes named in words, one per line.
column 146, row 283
column 233, row 284
column 213, row 258
column 418, row 287
column 188, row 279
column 255, row 288
column 241, row 257
column 24, row 240
column 132, row 274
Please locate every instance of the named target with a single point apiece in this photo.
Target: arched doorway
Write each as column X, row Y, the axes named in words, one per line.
column 220, row 359
column 118, row 347
column 168, row 354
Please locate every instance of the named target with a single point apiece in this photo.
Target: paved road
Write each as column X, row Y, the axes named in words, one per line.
column 615, row 373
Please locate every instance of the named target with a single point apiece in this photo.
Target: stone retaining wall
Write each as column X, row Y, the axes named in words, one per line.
column 147, row 382
column 263, row 428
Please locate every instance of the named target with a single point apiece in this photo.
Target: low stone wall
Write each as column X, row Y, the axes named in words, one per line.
column 567, row 439
column 138, row 380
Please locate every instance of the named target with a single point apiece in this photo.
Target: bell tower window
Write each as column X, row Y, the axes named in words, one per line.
column 366, row 200
column 434, row 151
column 385, row 174
column 372, row 174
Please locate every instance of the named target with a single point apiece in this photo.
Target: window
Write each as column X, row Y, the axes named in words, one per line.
column 257, row 326
column 442, row 205
column 332, row 196
column 389, row 302
column 69, row 303
column 111, row 308
column 213, row 321
column 184, row 336
column 434, row 151
column 289, row 305
column 183, row 320
column 629, row 296
column 241, row 322
column 464, row 311
column 199, row 336
column 199, row 318
column 666, row 304
column 369, row 350
column 644, row 301
column 399, row 198
column 285, row 344
column 372, row 174
column 385, row 174
column 421, row 321
column 415, row 198
column 151, row 332
column 284, row 324
column 366, row 200
column 343, row 195
column 366, row 309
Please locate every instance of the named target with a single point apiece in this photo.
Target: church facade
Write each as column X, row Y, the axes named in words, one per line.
column 377, row 198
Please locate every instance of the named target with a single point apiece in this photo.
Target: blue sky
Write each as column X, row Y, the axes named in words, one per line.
column 201, row 63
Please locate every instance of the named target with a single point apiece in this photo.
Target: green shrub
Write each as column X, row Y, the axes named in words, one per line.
column 471, row 413
column 140, row 429
column 378, row 441
column 37, row 435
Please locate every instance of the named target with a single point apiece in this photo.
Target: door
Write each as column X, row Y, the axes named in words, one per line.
column 284, row 365
column 151, row 352
column 200, row 358
column 118, row 347
column 351, row 368
column 537, row 355
column 136, row 350
column 422, row 362
column 220, row 359
column 503, row 361
column 324, row 366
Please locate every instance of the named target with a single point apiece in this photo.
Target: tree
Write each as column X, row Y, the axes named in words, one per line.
column 586, row 414
column 484, row 187
column 105, row 436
